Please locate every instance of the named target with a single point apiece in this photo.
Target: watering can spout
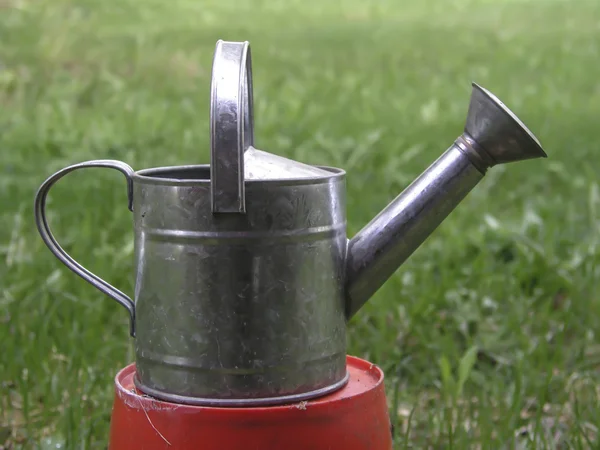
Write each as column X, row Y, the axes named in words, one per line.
column 492, row 135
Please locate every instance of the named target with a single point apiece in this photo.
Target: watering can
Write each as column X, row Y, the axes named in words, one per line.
column 245, row 279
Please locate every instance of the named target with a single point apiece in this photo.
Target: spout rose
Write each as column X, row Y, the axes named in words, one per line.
column 492, row 135
column 498, row 131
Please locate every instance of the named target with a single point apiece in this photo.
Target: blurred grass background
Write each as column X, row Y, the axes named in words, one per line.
column 488, row 334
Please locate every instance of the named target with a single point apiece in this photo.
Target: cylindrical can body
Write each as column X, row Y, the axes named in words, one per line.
column 239, row 308
column 354, row 417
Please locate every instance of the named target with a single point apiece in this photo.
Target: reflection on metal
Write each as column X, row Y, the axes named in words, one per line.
column 245, row 279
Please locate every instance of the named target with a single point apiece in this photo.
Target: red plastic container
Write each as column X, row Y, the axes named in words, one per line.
column 353, row 418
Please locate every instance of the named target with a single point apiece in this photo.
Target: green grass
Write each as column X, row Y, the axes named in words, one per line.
column 488, row 334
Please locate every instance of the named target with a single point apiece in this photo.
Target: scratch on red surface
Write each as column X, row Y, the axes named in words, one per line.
column 301, row 405
column 150, row 422
column 129, row 397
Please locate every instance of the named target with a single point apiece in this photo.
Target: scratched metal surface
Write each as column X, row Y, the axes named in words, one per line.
column 239, row 306
column 249, row 305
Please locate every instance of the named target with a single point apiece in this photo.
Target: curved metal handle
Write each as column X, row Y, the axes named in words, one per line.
column 231, row 124
column 44, row 230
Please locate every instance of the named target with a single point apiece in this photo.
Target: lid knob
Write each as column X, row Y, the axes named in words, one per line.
column 231, row 124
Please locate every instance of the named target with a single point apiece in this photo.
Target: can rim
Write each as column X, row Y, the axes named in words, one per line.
column 199, row 175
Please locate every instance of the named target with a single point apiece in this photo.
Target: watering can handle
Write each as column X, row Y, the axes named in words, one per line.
column 231, row 124
column 44, row 230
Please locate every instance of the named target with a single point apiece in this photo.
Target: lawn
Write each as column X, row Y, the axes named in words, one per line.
column 489, row 334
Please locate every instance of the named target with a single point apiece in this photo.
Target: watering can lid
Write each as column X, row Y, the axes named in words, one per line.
column 234, row 158
column 261, row 165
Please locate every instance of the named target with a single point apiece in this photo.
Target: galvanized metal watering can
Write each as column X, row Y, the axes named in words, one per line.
column 245, row 279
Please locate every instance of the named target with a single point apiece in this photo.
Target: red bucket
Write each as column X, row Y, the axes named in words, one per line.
column 352, row 418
